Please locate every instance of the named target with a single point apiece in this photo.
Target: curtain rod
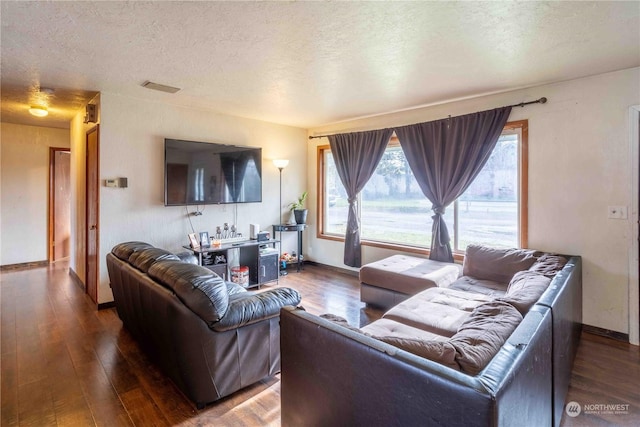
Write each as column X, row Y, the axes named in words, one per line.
column 542, row 100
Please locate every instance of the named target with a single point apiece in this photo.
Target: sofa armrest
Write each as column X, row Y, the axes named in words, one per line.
column 367, row 382
column 249, row 307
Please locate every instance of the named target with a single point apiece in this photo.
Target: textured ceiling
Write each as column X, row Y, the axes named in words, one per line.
column 304, row 63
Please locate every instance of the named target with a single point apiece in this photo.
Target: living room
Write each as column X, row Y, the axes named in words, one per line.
column 581, row 146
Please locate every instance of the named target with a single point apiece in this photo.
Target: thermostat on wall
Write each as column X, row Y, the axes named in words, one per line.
column 116, row 183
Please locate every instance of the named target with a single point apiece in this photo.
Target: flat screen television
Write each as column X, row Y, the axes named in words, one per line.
column 202, row 173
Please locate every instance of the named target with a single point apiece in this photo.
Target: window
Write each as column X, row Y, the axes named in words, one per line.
column 394, row 212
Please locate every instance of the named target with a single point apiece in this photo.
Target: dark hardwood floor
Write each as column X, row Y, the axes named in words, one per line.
column 64, row 363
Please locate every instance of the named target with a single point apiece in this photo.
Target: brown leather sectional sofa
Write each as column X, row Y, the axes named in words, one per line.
column 209, row 336
column 493, row 347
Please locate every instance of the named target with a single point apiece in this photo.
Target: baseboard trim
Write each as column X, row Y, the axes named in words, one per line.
column 105, row 305
column 24, row 265
column 618, row 336
column 76, row 279
column 334, row 268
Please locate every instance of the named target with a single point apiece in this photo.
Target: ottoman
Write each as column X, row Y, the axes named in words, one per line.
column 390, row 281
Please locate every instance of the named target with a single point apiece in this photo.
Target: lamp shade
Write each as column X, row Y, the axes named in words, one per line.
column 38, row 111
column 280, row 163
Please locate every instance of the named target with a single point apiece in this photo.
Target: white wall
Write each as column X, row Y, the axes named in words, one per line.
column 578, row 165
column 132, row 133
column 24, row 193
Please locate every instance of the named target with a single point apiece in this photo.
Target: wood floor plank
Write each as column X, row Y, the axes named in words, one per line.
column 66, row 364
column 9, row 389
column 35, row 404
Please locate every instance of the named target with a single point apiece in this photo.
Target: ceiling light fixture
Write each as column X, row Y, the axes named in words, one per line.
column 160, row 87
column 38, row 111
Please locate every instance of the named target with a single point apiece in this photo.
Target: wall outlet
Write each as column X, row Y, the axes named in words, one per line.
column 617, row 212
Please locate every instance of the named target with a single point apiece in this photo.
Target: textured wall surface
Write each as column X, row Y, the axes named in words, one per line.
column 579, row 151
column 132, row 136
column 24, row 178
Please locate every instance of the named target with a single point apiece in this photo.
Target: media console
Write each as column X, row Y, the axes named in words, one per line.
column 261, row 258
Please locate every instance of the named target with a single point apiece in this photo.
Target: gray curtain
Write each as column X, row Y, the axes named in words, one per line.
column 356, row 156
column 445, row 156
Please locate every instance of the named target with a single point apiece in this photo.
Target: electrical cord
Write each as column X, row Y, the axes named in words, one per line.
column 189, row 218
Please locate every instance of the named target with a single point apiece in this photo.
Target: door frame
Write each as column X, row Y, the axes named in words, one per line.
column 95, row 206
column 634, row 264
column 52, row 200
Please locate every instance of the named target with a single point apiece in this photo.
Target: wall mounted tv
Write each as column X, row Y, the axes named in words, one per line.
column 201, row 173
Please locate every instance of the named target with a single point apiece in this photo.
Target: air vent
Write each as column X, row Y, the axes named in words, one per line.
column 161, row 88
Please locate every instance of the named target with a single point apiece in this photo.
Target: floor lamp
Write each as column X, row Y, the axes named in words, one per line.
column 280, row 164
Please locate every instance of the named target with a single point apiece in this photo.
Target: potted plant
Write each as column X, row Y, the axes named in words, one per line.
column 299, row 211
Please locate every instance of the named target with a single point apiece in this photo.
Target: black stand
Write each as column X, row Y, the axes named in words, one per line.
column 299, row 228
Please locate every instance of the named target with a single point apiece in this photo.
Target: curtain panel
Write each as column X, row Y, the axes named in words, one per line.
column 356, row 156
column 445, row 156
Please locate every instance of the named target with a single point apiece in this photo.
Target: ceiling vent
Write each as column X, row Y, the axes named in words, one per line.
column 161, row 88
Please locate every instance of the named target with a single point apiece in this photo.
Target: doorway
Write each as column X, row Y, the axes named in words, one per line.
column 59, row 204
column 92, row 212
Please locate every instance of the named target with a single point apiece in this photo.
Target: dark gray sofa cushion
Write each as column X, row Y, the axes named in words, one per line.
column 439, row 351
column 124, row 250
column 390, row 328
column 498, row 265
column 481, row 336
column 549, row 265
column 250, row 307
column 200, row 289
column 339, row 320
column 525, row 290
column 479, row 286
column 143, row 259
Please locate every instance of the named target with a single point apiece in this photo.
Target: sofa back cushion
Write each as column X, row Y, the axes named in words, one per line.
column 549, row 264
column 200, row 289
column 498, row 265
column 145, row 258
column 124, row 250
column 474, row 285
column 481, row 336
column 442, row 352
column 525, row 290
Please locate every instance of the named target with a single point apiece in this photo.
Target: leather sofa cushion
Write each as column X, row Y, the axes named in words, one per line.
column 200, row 289
column 124, row 250
column 479, row 286
column 525, row 290
column 438, row 351
column 409, row 275
column 339, row 320
column 461, row 300
column 430, row 316
column 187, row 256
column 483, row 333
column 549, row 265
column 390, row 328
column 143, row 259
column 235, row 288
column 249, row 307
column 498, row 265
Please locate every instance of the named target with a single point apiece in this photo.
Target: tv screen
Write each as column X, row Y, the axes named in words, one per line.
column 201, row 173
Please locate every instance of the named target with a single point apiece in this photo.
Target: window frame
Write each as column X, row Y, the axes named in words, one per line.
column 519, row 126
